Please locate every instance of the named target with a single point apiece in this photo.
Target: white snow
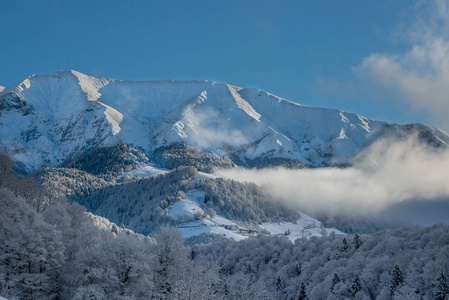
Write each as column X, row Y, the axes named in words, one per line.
column 114, row 118
column 242, row 104
column 189, row 207
column 69, row 112
column 106, row 225
column 305, row 226
column 147, row 170
column 364, row 123
column 151, row 170
column 90, row 85
column 1, row 88
column 342, row 135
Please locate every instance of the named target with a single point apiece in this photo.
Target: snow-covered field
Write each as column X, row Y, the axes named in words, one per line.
column 189, row 209
column 148, row 170
column 197, row 222
column 306, row 226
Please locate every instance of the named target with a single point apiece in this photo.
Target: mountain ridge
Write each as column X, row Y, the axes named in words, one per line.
column 49, row 119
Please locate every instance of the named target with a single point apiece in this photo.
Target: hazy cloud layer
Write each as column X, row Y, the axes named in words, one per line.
column 386, row 173
column 206, row 128
column 420, row 76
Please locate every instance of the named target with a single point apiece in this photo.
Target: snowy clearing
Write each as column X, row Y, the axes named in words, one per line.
column 198, row 222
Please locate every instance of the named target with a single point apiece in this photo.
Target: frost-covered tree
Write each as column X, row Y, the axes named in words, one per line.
column 170, row 260
column 202, row 281
column 335, row 280
column 357, row 241
column 302, row 292
column 241, row 286
column 396, row 280
column 31, row 251
column 356, row 286
column 442, row 287
column 279, row 285
column 344, row 247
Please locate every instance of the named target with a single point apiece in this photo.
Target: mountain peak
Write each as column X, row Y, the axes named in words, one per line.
column 51, row 118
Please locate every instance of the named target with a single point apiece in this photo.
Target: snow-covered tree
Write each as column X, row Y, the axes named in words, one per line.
column 170, row 260
column 335, row 280
column 396, row 280
column 356, row 286
column 302, row 292
column 344, row 247
column 442, row 287
column 357, row 241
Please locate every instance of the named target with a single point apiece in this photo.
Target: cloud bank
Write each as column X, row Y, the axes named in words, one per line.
column 387, row 173
column 420, row 75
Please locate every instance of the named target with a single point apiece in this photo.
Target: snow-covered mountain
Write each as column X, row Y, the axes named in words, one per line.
column 47, row 120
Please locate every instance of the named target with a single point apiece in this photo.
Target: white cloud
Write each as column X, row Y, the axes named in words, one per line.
column 420, row 76
column 206, row 129
column 386, row 173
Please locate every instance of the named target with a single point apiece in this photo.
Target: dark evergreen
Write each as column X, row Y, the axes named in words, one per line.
column 396, row 280
column 109, row 162
column 357, row 241
column 302, row 292
column 356, row 286
column 180, row 154
column 279, row 286
column 442, row 287
column 344, row 247
column 298, row 269
column 335, row 280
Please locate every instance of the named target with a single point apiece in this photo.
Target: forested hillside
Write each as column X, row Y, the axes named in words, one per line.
column 52, row 250
column 407, row 263
column 143, row 204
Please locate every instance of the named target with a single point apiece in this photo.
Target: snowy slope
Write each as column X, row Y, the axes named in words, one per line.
column 189, row 207
column 147, row 170
column 48, row 119
column 188, row 211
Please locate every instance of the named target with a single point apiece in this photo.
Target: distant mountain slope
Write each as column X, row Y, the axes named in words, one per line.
column 50, row 119
column 194, row 202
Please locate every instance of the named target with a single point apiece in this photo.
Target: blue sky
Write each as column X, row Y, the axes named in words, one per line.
column 319, row 53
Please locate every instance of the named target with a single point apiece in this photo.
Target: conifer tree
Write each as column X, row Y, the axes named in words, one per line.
column 345, row 246
column 357, row 241
column 442, row 288
column 279, row 286
column 298, row 269
column 396, row 280
column 356, row 286
column 335, row 280
column 302, row 292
